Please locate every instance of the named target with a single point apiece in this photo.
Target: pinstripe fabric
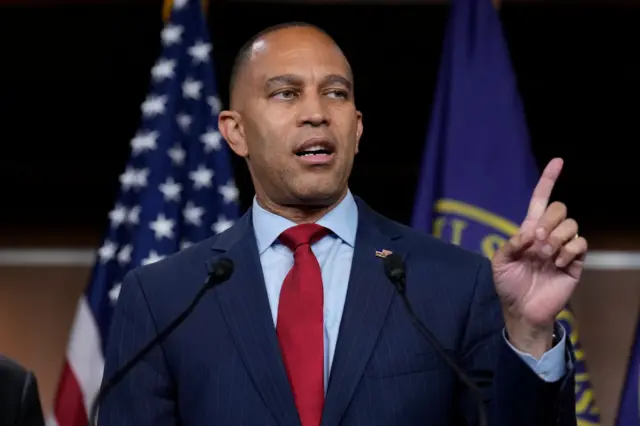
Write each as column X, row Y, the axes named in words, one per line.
column 222, row 367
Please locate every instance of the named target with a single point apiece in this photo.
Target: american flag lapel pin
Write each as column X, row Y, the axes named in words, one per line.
column 383, row 253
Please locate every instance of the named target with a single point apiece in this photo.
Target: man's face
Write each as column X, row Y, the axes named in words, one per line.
column 297, row 123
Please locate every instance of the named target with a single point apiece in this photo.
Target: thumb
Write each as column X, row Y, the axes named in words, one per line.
column 514, row 247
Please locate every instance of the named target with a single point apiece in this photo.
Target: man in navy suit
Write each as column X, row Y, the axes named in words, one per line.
column 309, row 330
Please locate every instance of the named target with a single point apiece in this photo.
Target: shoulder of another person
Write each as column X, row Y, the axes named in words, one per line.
column 11, row 366
column 12, row 372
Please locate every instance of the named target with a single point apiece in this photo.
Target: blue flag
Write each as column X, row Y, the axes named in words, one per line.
column 629, row 412
column 586, row 409
column 177, row 189
column 478, row 171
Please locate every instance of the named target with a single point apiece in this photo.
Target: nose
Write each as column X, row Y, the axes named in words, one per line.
column 313, row 112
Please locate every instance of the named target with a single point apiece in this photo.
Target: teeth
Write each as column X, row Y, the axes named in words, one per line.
column 314, row 150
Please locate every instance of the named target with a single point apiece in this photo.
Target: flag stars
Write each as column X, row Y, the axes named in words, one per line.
column 221, row 225
column 229, row 192
column 191, row 89
column 184, row 121
column 163, row 69
column 159, row 202
column 152, row 258
column 153, row 105
column 177, row 155
column 114, row 293
column 118, row 215
column 124, row 255
column 193, row 214
column 133, row 218
column 200, row 51
column 171, row 34
column 201, row 177
column 180, row 4
column 134, row 178
column 215, row 104
column 171, row 190
column 107, row 251
column 211, row 140
column 144, row 141
column 162, row 227
column 129, row 178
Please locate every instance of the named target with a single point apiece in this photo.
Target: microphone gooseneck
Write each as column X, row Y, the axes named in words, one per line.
column 220, row 272
column 395, row 270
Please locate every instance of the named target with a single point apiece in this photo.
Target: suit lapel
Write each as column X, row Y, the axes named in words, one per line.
column 245, row 307
column 368, row 299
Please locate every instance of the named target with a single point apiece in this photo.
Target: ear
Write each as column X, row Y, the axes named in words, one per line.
column 230, row 126
column 359, row 129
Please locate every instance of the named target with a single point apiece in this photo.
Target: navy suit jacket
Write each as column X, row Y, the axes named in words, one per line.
column 222, row 366
column 19, row 396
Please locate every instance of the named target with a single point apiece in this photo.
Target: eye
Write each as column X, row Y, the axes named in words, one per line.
column 338, row 93
column 284, row 94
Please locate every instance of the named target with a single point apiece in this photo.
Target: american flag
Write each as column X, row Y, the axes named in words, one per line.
column 177, row 189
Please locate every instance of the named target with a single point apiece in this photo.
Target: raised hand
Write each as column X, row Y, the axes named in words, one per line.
column 537, row 270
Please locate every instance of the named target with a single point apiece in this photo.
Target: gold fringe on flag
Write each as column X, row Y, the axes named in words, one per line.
column 168, row 4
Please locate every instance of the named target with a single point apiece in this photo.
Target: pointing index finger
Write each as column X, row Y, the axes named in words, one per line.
column 542, row 191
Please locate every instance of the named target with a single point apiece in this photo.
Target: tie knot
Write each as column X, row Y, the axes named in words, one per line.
column 307, row 233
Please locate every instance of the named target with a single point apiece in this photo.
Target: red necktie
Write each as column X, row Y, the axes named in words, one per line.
column 300, row 323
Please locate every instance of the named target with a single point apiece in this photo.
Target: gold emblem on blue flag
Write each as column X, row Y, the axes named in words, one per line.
column 482, row 230
column 586, row 409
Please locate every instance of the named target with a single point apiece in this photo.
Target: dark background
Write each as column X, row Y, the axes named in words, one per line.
column 72, row 79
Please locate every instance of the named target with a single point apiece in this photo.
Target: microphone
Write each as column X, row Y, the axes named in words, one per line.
column 395, row 271
column 219, row 273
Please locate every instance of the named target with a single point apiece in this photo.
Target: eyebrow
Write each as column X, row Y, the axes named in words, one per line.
column 294, row 80
column 337, row 79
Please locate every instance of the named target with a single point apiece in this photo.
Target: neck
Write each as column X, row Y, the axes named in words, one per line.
column 298, row 213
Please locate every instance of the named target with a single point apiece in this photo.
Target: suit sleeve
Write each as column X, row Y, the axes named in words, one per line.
column 31, row 409
column 146, row 396
column 513, row 394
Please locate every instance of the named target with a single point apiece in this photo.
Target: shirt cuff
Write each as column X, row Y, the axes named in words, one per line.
column 551, row 367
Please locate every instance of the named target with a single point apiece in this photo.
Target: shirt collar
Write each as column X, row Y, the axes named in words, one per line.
column 342, row 220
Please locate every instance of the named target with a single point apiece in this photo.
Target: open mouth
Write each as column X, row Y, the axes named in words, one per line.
column 315, row 148
column 314, row 151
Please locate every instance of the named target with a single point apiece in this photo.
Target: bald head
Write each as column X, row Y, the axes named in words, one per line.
column 292, row 92
column 277, row 39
